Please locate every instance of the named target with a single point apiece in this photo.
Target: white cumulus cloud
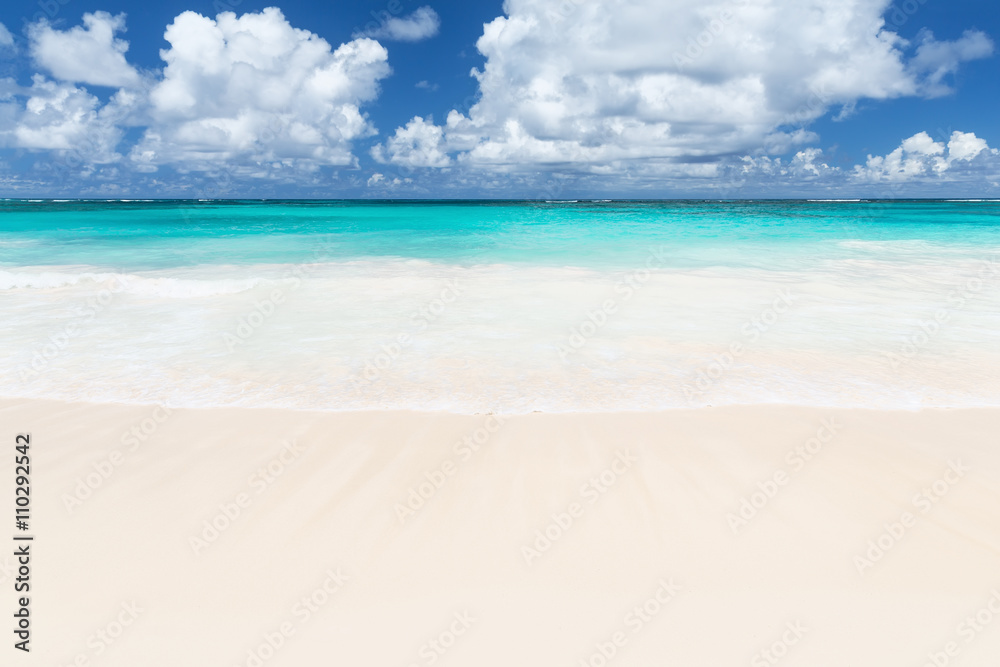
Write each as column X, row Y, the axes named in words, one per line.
column 595, row 84
column 84, row 54
column 920, row 157
column 960, row 165
column 63, row 117
column 254, row 88
column 421, row 24
column 418, row 144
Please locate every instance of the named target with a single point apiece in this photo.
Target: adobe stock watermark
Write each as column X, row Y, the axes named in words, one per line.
column 101, row 640
column 420, row 320
column 392, row 9
column 68, row 164
column 796, row 459
column 221, row 6
column 923, row 502
column 898, row 14
column 434, row 479
column 590, row 491
column 221, row 179
column 231, row 510
column 249, row 323
column 634, row 621
column 696, row 46
column 435, row 647
column 772, row 655
column 928, row 329
column 47, row 352
column 264, row 309
column 968, row 630
column 304, row 609
column 131, row 441
column 597, row 317
column 565, row 9
column 49, row 10
column 751, row 331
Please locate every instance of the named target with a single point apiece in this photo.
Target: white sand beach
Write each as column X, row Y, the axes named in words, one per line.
column 867, row 538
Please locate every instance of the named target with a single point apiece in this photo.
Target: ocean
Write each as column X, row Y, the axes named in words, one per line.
column 502, row 306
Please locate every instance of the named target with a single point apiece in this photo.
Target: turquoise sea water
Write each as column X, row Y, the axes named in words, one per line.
column 492, row 305
column 166, row 234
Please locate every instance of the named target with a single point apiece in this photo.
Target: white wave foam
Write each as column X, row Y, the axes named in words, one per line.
column 414, row 334
column 128, row 283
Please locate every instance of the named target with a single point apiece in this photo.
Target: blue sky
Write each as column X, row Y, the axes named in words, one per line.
column 570, row 98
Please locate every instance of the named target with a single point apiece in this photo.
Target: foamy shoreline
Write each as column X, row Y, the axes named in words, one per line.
column 229, row 536
column 869, row 326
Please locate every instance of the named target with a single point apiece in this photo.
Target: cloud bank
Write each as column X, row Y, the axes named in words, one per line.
column 960, row 164
column 599, row 85
column 699, row 95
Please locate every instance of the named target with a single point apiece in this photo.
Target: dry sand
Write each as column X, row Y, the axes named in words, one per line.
column 118, row 577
